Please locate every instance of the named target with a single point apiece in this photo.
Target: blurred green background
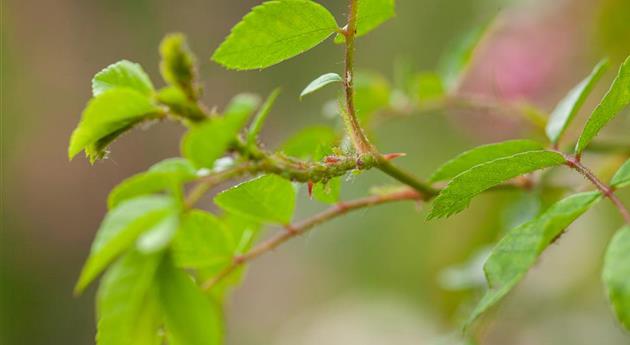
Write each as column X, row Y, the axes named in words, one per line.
column 377, row 276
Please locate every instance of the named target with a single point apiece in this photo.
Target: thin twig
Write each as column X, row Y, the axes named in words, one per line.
column 300, row 228
column 574, row 163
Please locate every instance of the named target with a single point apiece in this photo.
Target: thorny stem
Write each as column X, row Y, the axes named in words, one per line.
column 297, row 229
column 287, row 167
column 359, row 140
column 575, row 163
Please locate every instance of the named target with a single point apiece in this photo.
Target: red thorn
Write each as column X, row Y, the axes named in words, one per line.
column 392, row 156
column 310, row 189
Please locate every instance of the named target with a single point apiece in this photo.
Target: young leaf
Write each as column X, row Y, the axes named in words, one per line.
column 273, row 32
column 180, row 104
column 190, row 316
column 320, row 82
column 518, row 251
column 328, row 192
column 307, row 143
column 482, row 154
column 622, row 176
column 160, row 235
column 209, row 140
column 118, row 231
column 169, row 174
column 128, row 312
column 371, row 14
column 570, row 105
column 268, row 198
column 105, row 116
column 259, row 120
column 456, row 196
column 122, row 74
column 616, row 273
column 615, row 100
column 202, row 241
column 178, row 64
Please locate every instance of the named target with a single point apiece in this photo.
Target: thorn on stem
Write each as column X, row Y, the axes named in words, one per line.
column 392, row 156
column 310, row 189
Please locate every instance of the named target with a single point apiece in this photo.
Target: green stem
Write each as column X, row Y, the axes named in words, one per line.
column 281, row 165
column 359, row 140
column 388, row 168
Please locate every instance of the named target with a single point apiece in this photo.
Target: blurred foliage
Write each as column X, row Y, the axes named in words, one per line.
column 384, row 252
column 613, row 28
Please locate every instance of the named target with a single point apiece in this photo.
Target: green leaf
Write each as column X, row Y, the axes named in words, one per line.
column 160, row 235
column 273, row 32
column 106, row 115
column 208, row 141
column 308, row 143
column 570, row 105
column 518, row 251
column 455, row 63
column 482, row 154
column 616, row 273
column 261, row 116
column 328, row 192
column 178, row 65
column 615, row 100
column 622, row 176
column 457, row 195
column 180, row 104
column 244, row 230
column 118, row 231
column 122, row 74
column 320, row 82
column 169, row 174
column 128, row 312
column 190, row 317
column 202, row 241
column 268, row 198
column 371, row 14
